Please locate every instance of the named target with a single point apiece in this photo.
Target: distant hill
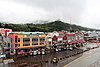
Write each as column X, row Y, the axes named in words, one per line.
column 45, row 27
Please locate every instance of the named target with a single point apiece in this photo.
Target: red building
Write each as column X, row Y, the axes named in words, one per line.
column 13, row 42
column 6, row 31
column 71, row 38
column 54, row 40
column 65, row 39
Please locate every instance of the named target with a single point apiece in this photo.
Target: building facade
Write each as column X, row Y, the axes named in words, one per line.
column 26, row 40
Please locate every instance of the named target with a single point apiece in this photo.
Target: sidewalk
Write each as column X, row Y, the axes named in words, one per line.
column 84, row 48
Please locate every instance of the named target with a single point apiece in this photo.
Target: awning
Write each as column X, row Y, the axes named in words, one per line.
column 69, row 43
column 81, row 41
column 74, row 42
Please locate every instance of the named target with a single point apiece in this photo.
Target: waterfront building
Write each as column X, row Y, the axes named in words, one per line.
column 71, row 40
column 52, row 39
column 80, row 38
column 26, row 41
column 91, row 36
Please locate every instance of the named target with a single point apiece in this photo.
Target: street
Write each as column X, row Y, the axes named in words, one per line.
column 45, row 60
column 87, row 59
column 71, row 58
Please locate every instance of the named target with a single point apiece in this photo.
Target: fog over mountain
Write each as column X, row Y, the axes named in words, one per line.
column 81, row 12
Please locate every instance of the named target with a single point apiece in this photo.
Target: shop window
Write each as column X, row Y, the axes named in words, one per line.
column 59, row 41
column 34, row 39
column 11, row 40
column 26, row 44
column 42, row 40
column 8, row 44
column 18, row 39
column 41, row 43
column 18, row 45
column 26, row 39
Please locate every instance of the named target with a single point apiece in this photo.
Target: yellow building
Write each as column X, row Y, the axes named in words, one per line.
column 26, row 41
column 31, row 41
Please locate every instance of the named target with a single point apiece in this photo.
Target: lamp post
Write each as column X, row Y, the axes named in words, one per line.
column 67, row 50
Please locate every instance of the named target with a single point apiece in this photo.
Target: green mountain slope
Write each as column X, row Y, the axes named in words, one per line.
column 46, row 27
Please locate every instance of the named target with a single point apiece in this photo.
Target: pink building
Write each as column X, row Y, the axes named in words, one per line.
column 4, row 31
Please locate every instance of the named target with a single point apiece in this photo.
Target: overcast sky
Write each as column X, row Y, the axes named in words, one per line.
column 82, row 12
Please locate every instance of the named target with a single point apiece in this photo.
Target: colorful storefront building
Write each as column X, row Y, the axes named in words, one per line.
column 26, row 41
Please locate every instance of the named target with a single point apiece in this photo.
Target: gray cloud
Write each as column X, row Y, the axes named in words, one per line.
column 81, row 12
column 62, row 9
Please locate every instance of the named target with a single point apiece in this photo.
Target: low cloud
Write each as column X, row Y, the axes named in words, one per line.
column 81, row 12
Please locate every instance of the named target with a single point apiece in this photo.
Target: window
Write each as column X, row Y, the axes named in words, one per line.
column 49, row 42
column 42, row 40
column 41, row 43
column 34, row 41
column 59, row 41
column 26, row 39
column 18, row 39
column 12, row 40
column 8, row 44
column 18, row 45
column 26, row 44
column 54, row 42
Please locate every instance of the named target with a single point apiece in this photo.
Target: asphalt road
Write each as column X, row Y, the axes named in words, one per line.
column 45, row 60
column 87, row 59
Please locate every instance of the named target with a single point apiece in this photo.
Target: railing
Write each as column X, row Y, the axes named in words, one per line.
column 95, row 64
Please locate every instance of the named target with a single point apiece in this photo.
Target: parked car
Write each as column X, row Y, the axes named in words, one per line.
column 59, row 49
column 39, row 52
column 70, row 48
column 31, row 53
column 43, row 52
column 56, row 49
column 25, row 53
column 62, row 49
column 88, row 46
column 54, row 60
column 65, row 48
column 35, row 52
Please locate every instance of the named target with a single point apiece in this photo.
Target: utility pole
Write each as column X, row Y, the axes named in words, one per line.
column 70, row 26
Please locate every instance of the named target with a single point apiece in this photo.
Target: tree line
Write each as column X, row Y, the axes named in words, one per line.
column 46, row 27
